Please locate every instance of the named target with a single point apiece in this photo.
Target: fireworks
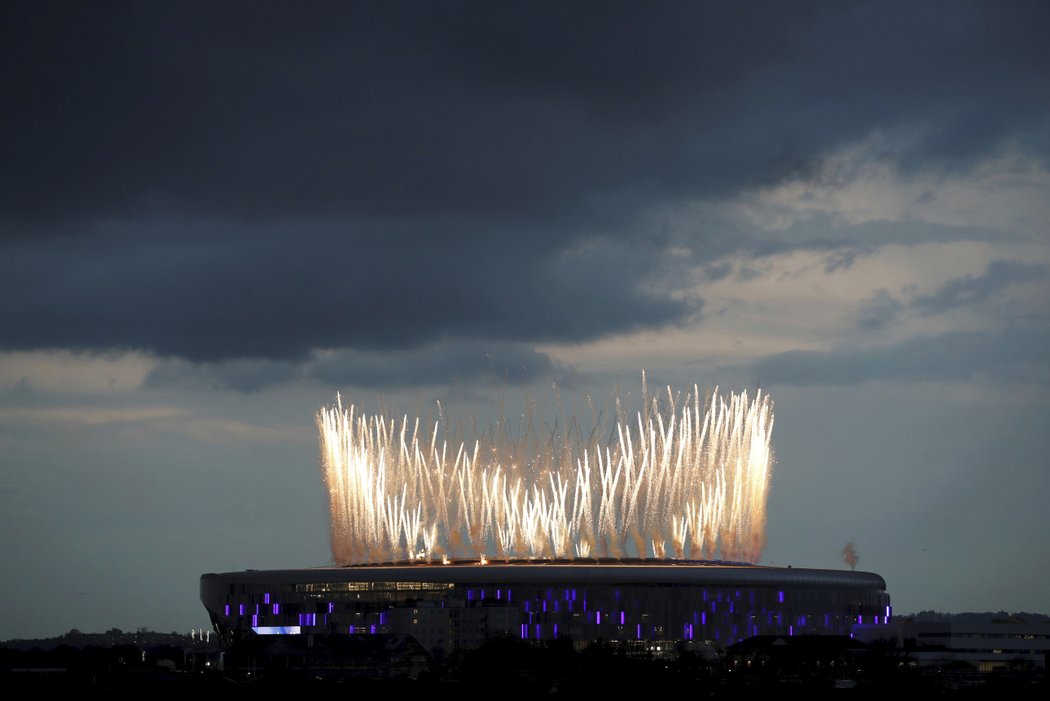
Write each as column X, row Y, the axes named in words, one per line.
column 682, row 479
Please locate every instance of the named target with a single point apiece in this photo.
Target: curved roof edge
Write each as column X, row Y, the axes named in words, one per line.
column 636, row 573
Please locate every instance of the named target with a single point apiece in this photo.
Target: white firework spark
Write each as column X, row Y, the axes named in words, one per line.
column 688, row 482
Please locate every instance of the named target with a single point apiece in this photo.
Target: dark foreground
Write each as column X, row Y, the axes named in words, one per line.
column 508, row 667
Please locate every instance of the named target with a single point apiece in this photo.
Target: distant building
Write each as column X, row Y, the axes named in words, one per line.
column 365, row 656
column 1000, row 645
column 644, row 604
column 796, row 655
column 202, row 640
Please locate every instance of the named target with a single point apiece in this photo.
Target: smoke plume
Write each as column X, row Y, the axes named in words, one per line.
column 850, row 556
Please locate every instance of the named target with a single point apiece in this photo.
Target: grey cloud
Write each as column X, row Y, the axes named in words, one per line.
column 970, row 289
column 841, row 242
column 823, row 231
column 295, row 287
column 842, row 259
column 1015, row 354
column 528, row 110
column 241, row 374
column 444, row 361
column 746, row 273
column 260, row 180
column 878, row 311
column 718, row 271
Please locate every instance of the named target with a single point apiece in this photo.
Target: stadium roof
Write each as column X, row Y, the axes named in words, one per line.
column 637, row 572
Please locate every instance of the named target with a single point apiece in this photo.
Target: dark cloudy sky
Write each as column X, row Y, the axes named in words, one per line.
column 213, row 217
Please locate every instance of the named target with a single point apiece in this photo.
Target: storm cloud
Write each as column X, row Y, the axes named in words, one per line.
column 248, row 181
column 969, row 290
column 1015, row 354
column 443, row 361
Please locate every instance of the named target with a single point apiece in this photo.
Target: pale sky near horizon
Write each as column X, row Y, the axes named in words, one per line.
column 214, row 219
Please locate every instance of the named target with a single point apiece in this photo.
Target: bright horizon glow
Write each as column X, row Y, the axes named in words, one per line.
column 681, row 479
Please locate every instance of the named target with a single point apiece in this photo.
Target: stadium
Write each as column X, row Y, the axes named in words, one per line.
column 581, row 535
column 648, row 605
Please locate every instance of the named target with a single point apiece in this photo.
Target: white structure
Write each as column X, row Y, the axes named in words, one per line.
column 996, row 645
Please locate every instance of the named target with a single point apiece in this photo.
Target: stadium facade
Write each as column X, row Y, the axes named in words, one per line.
column 644, row 604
